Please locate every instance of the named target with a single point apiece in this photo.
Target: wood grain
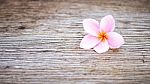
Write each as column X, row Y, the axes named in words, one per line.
column 39, row 42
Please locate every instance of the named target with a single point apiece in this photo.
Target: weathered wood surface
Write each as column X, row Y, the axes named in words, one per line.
column 39, row 42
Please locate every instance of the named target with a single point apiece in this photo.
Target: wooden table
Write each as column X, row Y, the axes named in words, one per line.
column 39, row 42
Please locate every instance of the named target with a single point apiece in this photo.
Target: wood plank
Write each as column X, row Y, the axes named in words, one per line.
column 39, row 42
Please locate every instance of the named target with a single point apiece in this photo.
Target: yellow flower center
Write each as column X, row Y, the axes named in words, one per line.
column 103, row 36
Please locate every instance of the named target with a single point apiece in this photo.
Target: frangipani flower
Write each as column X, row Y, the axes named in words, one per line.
column 101, row 37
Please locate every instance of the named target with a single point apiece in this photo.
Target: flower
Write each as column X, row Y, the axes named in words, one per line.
column 101, row 37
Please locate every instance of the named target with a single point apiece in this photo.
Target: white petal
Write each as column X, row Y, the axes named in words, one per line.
column 107, row 24
column 91, row 26
column 115, row 40
column 102, row 47
column 89, row 42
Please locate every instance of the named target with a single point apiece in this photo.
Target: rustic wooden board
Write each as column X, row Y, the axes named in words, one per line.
column 39, row 42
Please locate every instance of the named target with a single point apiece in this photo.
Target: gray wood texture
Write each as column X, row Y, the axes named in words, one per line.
column 39, row 42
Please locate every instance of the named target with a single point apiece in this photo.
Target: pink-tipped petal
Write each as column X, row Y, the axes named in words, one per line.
column 107, row 24
column 115, row 40
column 102, row 47
column 91, row 26
column 89, row 42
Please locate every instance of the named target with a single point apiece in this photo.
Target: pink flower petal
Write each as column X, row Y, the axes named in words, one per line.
column 91, row 26
column 115, row 40
column 102, row 47
column 89, row 42
column 107, row 24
